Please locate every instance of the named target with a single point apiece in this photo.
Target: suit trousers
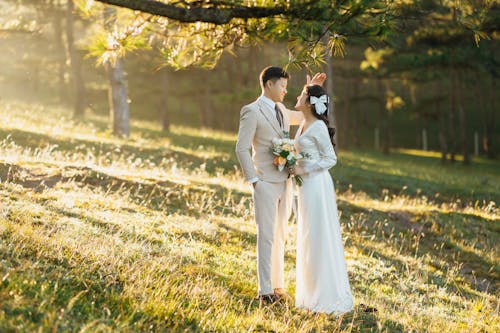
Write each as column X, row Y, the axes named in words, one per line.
column 272, row 207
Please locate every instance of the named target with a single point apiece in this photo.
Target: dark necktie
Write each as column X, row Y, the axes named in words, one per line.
column 279, row 115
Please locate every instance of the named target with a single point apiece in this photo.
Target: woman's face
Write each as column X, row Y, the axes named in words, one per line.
column 302, row 104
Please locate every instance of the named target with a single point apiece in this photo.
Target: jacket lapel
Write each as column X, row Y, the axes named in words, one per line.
column 271, row 119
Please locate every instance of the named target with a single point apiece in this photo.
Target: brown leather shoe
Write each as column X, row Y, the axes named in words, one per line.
column 265, row 300
column 283, row 295
column 367, row 309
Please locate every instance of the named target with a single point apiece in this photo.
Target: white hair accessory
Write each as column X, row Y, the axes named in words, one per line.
column 319, row 103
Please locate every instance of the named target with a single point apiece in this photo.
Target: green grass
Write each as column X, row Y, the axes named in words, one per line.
column 156, row 234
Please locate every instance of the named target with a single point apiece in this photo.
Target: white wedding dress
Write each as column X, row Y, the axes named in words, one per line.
column 322, row 280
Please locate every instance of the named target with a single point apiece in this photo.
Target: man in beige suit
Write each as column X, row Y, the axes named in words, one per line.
column 260, row 122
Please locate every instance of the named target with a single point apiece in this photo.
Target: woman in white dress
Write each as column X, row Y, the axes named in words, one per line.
column 322, row 280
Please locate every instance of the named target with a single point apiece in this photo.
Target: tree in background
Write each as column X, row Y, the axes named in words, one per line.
column 118, row 95
column 163, row 55
column 48, row 25
column 436, row 47
column 75, row 63
column 196, row 33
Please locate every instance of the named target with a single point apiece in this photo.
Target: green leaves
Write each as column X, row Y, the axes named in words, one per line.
column 109, row 46
column 312, row 29
column 198, row 44
column 374, row 58
column 478, row 35
column 427, row 37
column 302, row 55
column 392, row 101
column 336, row 45
column 88, row 8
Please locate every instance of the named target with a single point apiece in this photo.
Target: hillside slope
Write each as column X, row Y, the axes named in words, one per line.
column 155, row 233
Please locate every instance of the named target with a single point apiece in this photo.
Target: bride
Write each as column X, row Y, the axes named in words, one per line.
column 322, row 281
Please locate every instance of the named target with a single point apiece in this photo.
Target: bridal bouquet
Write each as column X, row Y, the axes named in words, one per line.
column 286, row 155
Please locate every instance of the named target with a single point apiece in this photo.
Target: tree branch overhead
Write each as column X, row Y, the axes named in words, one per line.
column 216, row 15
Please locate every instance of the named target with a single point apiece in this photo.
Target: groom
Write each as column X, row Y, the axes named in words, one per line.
column 260, row 122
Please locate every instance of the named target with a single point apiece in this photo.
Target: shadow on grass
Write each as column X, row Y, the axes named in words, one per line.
column 110, row 151
column 192, row 141
column 436, row 244
column 163, row 196
column 171, row 197
column 366, row 176
column 92, row 290
column 65, row 297
column 369, row 322
column 359, row 178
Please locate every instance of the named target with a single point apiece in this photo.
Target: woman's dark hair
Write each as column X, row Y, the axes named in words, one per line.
column 318, row 91
column 272, row 73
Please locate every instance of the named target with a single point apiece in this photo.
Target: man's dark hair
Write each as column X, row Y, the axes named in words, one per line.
column 272, row 73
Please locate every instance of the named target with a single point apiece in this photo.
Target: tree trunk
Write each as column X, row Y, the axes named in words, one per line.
column 418, row 134
column 412, row 92
column 228, row 116
column 490, row 121
column 442, row 132
column 481, row 98
column 355, row 116
column 76, row 65
column 118, row 96
column 330, row 92
column 451, row 117
column 345, row 116
column 253, row 60
column 384, row 117
column 206, row 107
column 163, row 104
column 61, row 58
column 461, row 112
column 34, row 80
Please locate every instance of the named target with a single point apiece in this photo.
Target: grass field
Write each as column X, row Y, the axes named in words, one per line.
column 156, row 234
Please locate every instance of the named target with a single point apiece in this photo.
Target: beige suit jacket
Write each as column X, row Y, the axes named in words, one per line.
column 258, row 127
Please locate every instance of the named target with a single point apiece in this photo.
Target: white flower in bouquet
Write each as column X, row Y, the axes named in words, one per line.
column 285, row 155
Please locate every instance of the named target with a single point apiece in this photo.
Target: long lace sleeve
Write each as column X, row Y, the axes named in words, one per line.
column 327, row 157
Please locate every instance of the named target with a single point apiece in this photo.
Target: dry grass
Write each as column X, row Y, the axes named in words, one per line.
column 155, row 233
